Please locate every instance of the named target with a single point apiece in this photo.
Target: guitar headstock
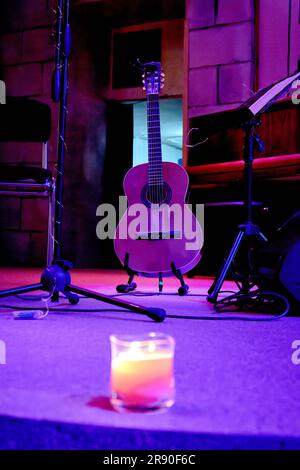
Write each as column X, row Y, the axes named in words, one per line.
column 153, row 78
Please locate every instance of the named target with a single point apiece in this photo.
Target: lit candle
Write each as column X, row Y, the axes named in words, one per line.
column 142, row 372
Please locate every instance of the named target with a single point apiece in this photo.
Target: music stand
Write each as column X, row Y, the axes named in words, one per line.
column 246, row 117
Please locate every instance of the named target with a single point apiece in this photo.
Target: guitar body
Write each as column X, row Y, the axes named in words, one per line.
column 157, row 241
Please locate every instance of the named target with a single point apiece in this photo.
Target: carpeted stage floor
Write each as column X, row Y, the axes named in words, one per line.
column 237, row 387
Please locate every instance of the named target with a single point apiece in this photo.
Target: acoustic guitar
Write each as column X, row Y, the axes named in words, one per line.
column 158, row 235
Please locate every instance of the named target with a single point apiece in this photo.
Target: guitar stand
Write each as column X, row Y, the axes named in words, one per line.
column 248, row 232
column 184, row 288
column 160, row 282
column 131, row 286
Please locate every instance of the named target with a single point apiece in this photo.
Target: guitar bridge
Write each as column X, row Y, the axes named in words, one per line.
column 158, row 235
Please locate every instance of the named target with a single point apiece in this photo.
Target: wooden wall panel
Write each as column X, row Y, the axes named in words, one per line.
column 172, row 60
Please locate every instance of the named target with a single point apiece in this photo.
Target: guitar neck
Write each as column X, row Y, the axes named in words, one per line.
column 155, row 170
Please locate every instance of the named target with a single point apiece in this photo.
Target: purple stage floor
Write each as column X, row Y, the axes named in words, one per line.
column 237, row 387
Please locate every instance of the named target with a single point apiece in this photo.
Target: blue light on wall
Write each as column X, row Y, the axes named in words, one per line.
column 171, row 131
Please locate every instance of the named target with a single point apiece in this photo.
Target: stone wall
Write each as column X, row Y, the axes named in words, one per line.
column 26, row 56
column 26, row 65
column 221, row 54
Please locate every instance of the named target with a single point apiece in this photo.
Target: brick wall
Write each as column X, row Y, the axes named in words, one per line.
column 221, row 58
column 279, row 39
column 26, row 57
column 26, row 64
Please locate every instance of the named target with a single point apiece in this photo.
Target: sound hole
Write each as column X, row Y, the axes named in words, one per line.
column 158, row 194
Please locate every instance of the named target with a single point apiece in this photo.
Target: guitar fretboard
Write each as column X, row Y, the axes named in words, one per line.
column 155, row 168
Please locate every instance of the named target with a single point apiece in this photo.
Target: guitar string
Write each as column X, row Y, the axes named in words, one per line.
column 149, row 145
column 151, row 153
column 159, row 151
column 154, row 117
column 154, row 142
column 153, row 149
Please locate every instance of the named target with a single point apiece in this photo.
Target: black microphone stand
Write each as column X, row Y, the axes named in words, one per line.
column 56, row 278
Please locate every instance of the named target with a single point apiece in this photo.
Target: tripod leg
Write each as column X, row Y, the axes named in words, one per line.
column 261, row 237
column 72, row 298
column 218, row 282
column 21, row 290
column 156, row 314
column 55, row 296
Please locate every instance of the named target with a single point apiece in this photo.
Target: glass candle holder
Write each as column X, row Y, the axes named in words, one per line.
column 142, row 372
